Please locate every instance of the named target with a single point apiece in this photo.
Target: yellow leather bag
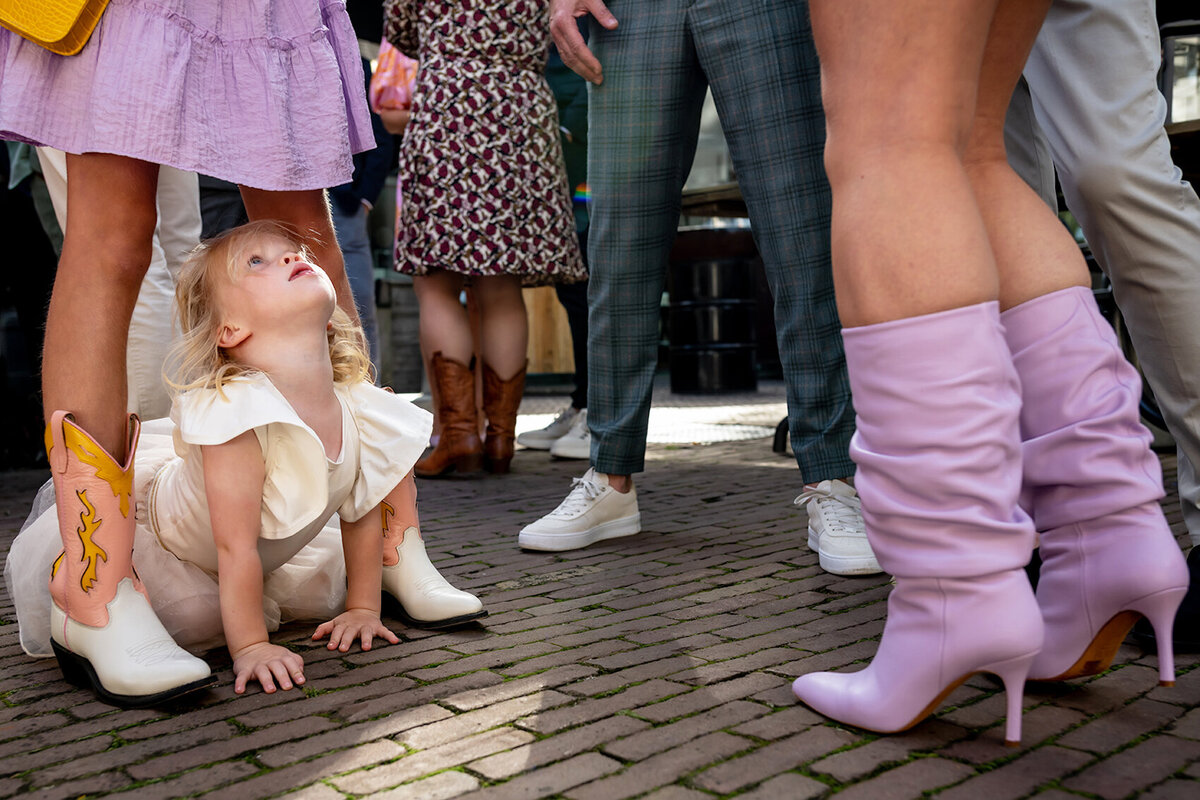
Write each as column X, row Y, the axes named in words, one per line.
column 60, row 26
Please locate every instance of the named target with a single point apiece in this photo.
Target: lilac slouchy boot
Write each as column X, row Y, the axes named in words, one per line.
column 1092, row 486
column 939, row 473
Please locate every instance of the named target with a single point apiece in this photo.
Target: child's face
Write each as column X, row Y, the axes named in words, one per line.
column 272, row 282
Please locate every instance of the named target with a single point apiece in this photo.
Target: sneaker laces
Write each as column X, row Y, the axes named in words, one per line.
column 563, row 416
column 579, row 427
column 836, row 509
column 584, row 492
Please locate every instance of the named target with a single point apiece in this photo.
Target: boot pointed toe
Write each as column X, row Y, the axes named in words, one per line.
column 826, row 693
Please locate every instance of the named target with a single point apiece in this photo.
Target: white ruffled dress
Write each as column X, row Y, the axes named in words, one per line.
column 304, row 496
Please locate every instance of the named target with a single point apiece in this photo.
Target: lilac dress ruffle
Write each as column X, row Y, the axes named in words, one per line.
column 264, row 93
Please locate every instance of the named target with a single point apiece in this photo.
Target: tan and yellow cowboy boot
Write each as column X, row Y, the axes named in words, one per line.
column 102, row 628
column 425, row 598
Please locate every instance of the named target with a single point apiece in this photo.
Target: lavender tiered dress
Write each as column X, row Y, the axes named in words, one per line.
column 265, row 93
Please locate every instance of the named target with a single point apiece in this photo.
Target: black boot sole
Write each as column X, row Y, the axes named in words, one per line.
column 78, row 671
column 394, row 608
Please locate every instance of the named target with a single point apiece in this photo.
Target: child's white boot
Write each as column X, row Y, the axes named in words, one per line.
column 426, row 599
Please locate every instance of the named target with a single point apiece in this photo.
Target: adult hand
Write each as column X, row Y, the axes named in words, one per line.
column 351, row 624
column 267, row 663
column 574, row 51
column 395, row 120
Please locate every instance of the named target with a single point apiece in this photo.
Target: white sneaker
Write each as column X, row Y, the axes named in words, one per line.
column 835, row 529
column 542, row 439
column 577, row 442
column 592, row 511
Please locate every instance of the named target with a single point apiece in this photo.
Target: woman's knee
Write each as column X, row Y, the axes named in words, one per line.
column 499, row 295
column 118, row 252
column 859, row 151
column 438, row 286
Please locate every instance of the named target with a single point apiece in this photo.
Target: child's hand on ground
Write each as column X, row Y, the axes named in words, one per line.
column 351, row 624
column 267, row 663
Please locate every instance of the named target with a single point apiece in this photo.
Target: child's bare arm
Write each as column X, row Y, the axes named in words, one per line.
column 234, row 474
column 362, row 543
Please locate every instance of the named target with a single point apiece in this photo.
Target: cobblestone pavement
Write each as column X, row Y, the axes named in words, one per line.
column 656, row 666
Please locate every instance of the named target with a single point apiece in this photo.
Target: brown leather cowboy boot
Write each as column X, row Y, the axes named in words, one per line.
column 458, row 447
column 501, row 399
column 102, row 628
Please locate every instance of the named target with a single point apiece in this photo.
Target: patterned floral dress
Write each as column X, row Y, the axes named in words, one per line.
column 481, row 168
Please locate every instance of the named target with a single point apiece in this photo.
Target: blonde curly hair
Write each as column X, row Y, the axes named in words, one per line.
column 198, row 361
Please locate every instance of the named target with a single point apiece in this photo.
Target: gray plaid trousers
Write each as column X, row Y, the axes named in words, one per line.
column 759, row 59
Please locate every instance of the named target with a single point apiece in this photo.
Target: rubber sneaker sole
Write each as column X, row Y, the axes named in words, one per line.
column 535, row 442
column 842, row 565
column 557, row 542
column 574, row 450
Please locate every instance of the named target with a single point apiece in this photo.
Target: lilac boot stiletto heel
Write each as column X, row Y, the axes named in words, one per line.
column 939, row 473
column 1092, row 486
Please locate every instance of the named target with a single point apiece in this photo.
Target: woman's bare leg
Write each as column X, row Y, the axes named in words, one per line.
column 443, row 320
column 1034, row 253
column 446, row 330
column 100, row 616
column 938, row 402
column 106, row 252
column 504, row 335
column 1090, row 482
column 899, row 81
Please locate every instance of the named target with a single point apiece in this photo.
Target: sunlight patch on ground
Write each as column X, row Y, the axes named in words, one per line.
column 695, row 424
